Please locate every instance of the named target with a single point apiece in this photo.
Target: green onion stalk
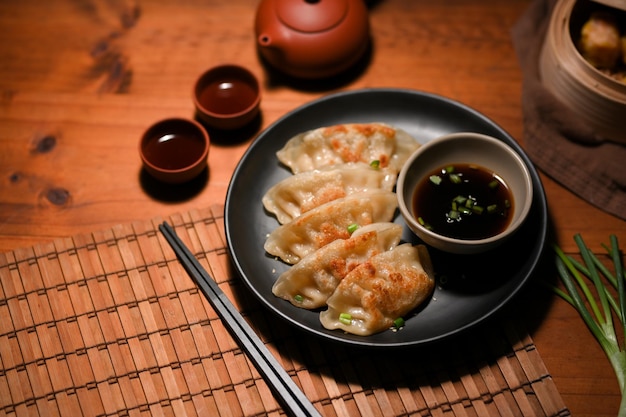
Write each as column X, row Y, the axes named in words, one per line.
column 602, row 312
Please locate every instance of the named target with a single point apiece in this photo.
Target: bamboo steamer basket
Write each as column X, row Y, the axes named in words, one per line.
column 595, row 97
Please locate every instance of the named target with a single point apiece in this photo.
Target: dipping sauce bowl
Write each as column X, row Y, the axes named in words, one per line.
column 174, row 150
column 227, row 97
column 485, row 188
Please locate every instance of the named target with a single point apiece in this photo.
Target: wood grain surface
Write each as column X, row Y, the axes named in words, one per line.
column 81, row 79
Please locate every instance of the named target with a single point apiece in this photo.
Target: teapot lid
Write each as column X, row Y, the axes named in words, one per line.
column 311, row 15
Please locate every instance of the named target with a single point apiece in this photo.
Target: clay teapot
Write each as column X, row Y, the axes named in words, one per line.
column 312, row 38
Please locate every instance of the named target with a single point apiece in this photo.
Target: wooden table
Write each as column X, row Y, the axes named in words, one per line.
column 80, row 81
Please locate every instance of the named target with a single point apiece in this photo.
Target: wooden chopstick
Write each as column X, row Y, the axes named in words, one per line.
column 292, row 398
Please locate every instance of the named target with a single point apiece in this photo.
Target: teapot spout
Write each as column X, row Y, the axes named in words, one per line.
column 266, row 40
column 271, row 48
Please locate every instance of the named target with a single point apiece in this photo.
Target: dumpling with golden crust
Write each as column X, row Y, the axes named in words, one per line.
column 599, row 41
column 310, row 282
column 379, row 291
column 318, row 227
column 302, row 192
column 355, row 142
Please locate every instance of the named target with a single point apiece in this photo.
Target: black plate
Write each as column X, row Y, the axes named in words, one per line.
column 469, row 288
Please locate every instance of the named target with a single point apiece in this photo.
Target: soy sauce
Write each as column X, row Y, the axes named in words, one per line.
column 488, row 213
column 174, row 151
column 227, row 96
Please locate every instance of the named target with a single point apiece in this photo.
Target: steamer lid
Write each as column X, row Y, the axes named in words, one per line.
column 618, row 4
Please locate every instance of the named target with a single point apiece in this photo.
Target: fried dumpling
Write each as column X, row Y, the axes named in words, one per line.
column 599, row 41
column 318, row 227
column 310, row 282
column 302, row 192
column 356, row 142
column 379, row 291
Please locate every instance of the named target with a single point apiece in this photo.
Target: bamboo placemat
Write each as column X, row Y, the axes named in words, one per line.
column 109, row 323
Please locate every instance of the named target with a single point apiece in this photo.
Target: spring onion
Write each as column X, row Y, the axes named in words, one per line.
column 459, row 199
column 352, row 228
column 598, row 311
column 435, row 179
column 455, row 178
column 345, row 318
column 298, row 298
column 375, row 164
column 421, row 221
column 399, row 322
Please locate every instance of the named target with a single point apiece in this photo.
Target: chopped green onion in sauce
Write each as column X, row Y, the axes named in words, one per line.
column 423, row 223
column 375, row 164
column 435, row 179
column 399, row 322
column 463, row 201
column 460, row 199
column 455, row 178
column 352, row 228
